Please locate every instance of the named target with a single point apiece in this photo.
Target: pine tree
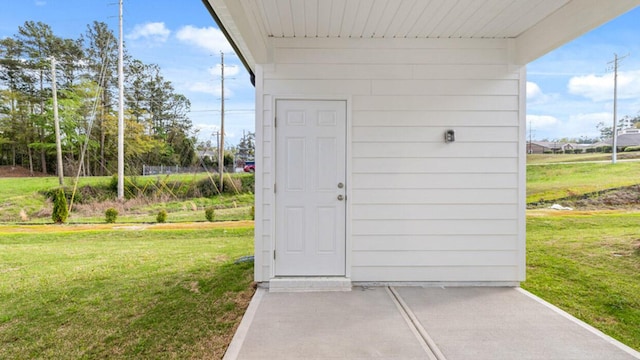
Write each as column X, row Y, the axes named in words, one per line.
column 60, row 210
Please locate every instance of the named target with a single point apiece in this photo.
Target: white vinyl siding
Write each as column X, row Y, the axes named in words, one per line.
column 419, row 209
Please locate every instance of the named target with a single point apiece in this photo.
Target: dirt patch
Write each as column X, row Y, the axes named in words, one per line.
column 625, row 198
column 18, row 171
column 628, row 197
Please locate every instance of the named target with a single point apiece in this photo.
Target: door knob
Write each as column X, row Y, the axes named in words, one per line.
column 340, row 197
column 340, row 185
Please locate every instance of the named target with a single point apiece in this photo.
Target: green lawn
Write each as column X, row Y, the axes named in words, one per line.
column 588, row 265
column 554, row 181
column 124, row 292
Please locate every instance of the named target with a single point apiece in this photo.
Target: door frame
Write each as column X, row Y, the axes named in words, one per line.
column 348, row 177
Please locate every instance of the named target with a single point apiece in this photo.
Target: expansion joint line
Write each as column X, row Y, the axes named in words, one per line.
column 416, row 327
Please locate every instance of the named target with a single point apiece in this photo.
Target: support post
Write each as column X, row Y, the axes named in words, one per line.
column 56, row 121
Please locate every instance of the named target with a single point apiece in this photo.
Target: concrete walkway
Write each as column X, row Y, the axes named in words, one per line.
column 416, row 323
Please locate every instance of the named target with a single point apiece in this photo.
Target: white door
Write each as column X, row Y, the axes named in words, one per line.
column 310, row 188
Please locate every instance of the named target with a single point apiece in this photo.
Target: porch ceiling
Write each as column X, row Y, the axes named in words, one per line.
column 536, row 26
column 400, row 18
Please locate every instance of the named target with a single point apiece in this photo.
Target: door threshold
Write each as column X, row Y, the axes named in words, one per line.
column 309, row 284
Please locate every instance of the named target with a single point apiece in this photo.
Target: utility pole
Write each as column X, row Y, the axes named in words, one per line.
column 614, row 132
column 217, row 135
column 56, row 121
column 221, row 147
column 121, row 112
column 530, row 145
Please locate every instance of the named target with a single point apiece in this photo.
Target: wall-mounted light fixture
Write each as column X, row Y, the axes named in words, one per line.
column 449, row 136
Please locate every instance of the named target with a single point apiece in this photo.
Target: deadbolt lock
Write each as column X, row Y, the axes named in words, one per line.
column 340, row 185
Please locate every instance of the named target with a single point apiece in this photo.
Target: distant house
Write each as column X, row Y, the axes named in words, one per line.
column 543, row 147
column 207, row 154
column 627, row 137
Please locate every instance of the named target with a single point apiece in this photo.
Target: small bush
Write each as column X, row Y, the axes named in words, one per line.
column 253, row 213
column 111, row 215
column 210, row 214
column 131, row 187
column 60, row 210
column 162, row 216
column 632, row 148
column 590, row 150
column 248, row 183
column 209, row 187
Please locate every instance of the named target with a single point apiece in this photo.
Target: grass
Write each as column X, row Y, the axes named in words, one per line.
column 113, row 291
column 22, row 200
column 555, row 181
column 589, row 265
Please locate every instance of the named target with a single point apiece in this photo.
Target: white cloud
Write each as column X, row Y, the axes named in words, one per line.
column 585, row 124
column 541, row 121
column 229, row 70
column 208, row 38
column 154, row 31
column 535, row 95
column 573, row 126
column 600, row 87
column 533, row 90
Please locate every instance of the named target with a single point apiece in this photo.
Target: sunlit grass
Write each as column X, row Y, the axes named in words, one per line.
column 121, row 292
column 588, row 265
column 555, row 181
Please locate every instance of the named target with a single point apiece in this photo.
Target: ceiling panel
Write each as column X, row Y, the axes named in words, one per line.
column 401, row 18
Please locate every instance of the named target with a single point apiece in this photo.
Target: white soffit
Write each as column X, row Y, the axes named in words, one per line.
column 537, row 26
column 400, row 18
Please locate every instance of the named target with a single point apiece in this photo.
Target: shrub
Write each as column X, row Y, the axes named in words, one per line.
column 248, row 182
column 569, row 151
column 632, row 148
column 60, row 210
column 162, row 216
column 210, row 214
column 131, row 187
column 111, row 215
column 209, row 187
column 607, row 149
column 590, row 150
column 253, row 213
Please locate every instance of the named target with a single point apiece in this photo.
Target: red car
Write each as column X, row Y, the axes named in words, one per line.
column 250, row 167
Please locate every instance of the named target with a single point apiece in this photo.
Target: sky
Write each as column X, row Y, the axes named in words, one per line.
column 569, row 90
column 178, row 35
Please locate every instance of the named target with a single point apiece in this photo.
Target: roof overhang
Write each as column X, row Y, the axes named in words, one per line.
column 535, row 26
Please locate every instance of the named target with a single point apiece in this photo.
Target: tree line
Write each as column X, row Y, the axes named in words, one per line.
column 158, row 130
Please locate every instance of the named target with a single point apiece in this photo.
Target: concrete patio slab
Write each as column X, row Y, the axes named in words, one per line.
column 505, row 323
column 361, row 324
column 416, row 323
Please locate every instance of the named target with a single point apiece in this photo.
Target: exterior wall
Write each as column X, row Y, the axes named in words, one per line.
column 419, row 209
